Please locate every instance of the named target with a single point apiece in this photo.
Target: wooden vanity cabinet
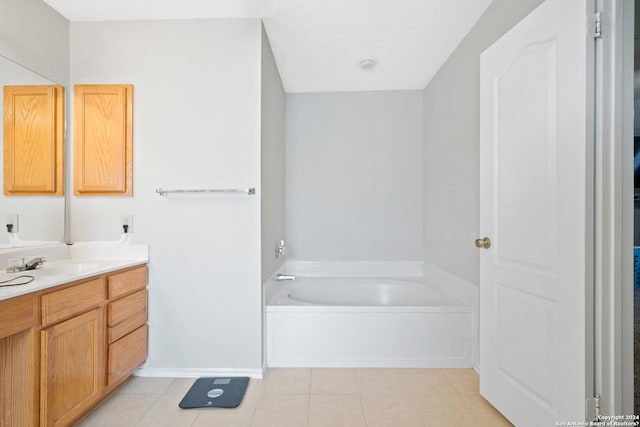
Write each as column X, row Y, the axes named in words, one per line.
column 71, row 368
column 18, row 363
column 127, row 332
column 65, row 349
column 94, row 335
column 72, row 352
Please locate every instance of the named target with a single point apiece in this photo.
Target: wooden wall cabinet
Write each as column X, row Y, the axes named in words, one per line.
column 34, row 140
column 103, row 140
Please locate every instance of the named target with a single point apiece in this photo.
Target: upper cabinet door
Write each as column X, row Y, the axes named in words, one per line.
column 34, row 140
column 103, row 140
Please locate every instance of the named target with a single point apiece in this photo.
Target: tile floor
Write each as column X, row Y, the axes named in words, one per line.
column 312, row 398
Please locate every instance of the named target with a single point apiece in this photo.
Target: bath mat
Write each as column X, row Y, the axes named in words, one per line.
column 215, row 393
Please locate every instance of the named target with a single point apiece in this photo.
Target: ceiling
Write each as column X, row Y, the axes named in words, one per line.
column 318, row 44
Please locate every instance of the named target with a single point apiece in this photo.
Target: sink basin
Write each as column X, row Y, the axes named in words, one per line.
column 67, row 268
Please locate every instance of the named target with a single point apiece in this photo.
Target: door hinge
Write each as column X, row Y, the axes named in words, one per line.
column 593, row 408
column 596, row 23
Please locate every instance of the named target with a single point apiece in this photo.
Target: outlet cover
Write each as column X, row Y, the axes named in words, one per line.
column 12, row 219
column 126, row 219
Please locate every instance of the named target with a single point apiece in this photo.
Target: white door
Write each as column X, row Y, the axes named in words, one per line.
column 535, row 203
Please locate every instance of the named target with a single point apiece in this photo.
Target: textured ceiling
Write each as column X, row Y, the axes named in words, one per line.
column 317, row 44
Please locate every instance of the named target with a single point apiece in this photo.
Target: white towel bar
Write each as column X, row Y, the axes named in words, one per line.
column 249, row 191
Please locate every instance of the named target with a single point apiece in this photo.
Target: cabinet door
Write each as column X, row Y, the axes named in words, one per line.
column 72, row 368
column 33, row 140
column 18, row 380
column 103, row 140
column 126, row 354
column 18, row 367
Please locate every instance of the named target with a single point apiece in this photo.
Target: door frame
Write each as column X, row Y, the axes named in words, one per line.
column 613, row 231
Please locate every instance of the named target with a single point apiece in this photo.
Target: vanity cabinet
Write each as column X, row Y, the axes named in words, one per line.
column 65, row 349
column 126, row 324
column 72, row 373
column 18, row 367
column 71, row 352
column 34, row 140
column 103, row 140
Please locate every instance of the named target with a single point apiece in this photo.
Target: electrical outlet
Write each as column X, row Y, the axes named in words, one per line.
column 12, row 219
column 126, row 220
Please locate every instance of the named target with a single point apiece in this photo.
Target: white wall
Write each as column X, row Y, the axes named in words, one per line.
column 451, row 145
column 354, row 176
column 36, row 37
column 196, row 125
column 273, row 161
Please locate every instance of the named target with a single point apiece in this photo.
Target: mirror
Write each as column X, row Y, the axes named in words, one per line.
column 39, row 218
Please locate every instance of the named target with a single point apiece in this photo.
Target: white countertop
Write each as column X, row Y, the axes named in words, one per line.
column 69, row 264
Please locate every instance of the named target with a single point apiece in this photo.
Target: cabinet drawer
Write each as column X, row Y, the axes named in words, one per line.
column 126, row 314
column 126, row 354
column 129, row 281
column 17, row 314
column 67, row 302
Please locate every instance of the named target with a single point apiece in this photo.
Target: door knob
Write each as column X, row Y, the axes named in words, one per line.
column 485, row 242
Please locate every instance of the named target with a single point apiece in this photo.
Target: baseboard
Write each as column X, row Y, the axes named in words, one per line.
column 197, row 373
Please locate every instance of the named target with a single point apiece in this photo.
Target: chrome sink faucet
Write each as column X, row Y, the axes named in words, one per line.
column 32, row 264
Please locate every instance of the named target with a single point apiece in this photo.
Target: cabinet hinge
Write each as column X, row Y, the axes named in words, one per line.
column 596, row 23
column 593, row 408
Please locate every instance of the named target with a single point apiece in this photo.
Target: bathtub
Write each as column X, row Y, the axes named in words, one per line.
column 365, row 322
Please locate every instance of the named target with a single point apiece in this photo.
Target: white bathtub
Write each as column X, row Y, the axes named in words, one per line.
column 372, row 322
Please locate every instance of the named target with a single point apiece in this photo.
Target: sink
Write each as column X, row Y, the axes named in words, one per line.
column 63, row 269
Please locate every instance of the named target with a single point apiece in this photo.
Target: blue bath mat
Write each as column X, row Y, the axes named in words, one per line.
column 215, row 393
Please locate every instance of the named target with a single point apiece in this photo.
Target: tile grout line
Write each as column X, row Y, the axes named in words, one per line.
column 364, row 413
column 309, row 398
column 411, row 398
column 259, row 395
column 309, row 407
column 255, row 407
column 137, row 421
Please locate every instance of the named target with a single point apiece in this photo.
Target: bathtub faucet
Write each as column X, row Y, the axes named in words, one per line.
column 281, row 277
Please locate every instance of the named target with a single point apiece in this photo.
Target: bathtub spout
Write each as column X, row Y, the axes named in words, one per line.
column 281, row 277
